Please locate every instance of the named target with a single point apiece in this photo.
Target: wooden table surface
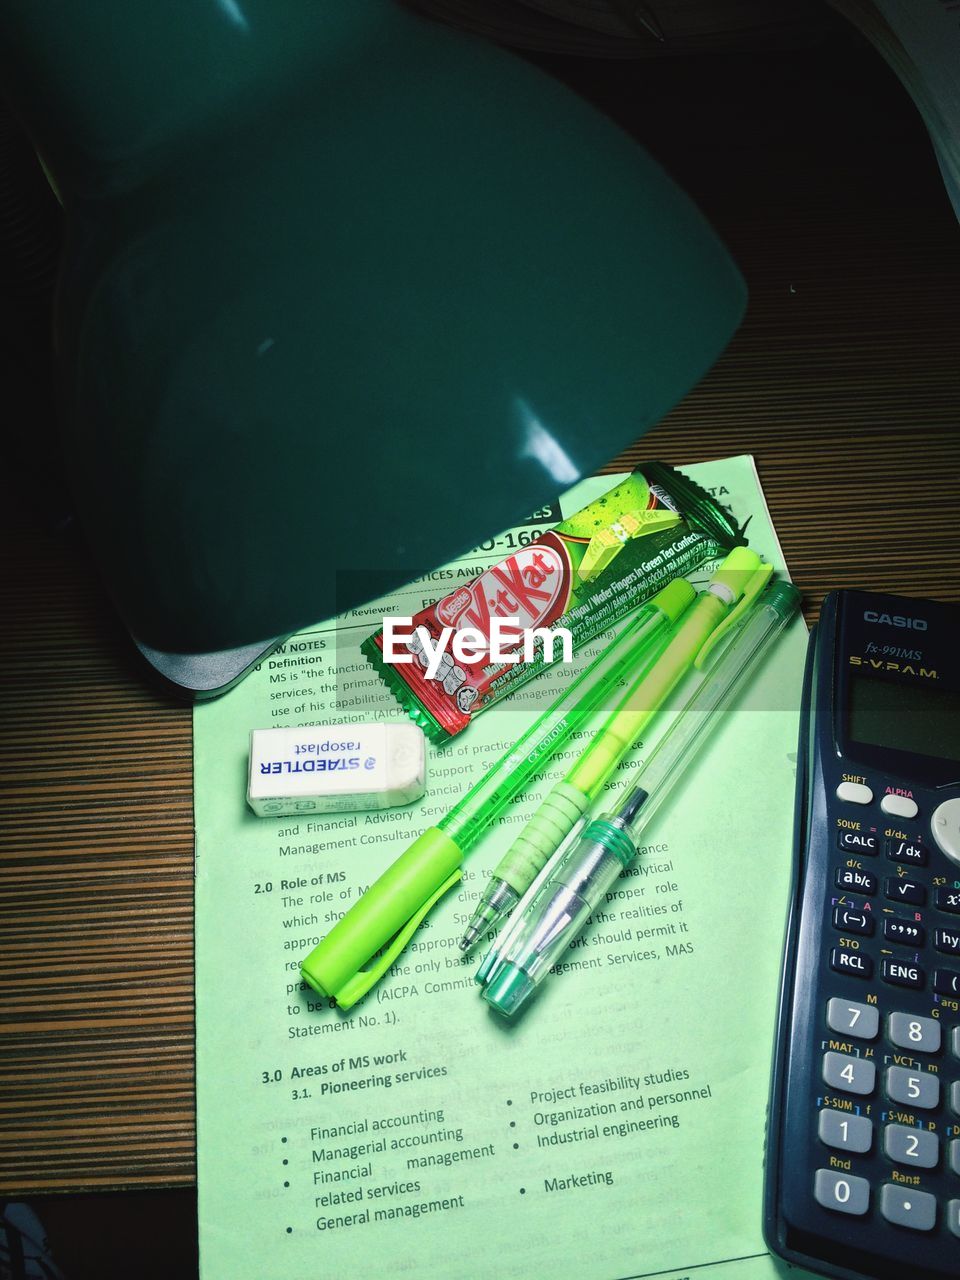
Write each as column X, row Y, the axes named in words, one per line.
column 844, row 382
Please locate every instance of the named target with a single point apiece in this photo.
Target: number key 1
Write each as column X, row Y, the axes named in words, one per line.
column 846, row 1132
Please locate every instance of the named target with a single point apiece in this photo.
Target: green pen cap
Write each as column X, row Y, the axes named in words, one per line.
column 784, row 598
column 383, row 921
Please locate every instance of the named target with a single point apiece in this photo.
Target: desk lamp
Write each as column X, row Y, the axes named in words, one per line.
column 343, row 292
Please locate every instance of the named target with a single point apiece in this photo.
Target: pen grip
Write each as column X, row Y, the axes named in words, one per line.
column 543, row 834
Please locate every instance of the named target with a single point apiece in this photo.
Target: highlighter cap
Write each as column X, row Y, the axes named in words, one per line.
column 738, row 583
column 736, row 570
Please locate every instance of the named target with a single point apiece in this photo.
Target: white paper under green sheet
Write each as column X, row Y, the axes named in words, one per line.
column 615, row 1131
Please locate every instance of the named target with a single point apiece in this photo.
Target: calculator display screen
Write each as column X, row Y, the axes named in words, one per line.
column 919, row 718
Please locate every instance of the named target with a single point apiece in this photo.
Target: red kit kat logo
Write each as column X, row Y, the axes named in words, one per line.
column 532, row 585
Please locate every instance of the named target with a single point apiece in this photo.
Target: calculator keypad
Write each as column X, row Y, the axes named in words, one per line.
column 887, row 1113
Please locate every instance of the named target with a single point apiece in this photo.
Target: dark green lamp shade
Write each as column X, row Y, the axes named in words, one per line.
column 343, row 294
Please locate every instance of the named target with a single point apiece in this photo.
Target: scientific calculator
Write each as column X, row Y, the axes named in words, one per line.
column 863, row 1134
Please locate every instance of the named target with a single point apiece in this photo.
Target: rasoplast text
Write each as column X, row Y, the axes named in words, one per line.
column 507, row 643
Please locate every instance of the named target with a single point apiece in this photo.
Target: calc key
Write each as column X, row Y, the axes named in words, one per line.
column 841, row 1191
column 913, row 1088
column 846, row 1132
column 898, row 889
column 908, row 1207
column 907, row 1031
column 851, row 1018
column 852, row 1075
column 909, row 1146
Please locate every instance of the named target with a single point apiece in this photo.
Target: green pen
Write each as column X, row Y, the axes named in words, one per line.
column 740, row 577
column 382, row 921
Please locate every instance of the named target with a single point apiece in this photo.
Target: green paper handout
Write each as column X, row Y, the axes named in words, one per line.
column 616, row 1130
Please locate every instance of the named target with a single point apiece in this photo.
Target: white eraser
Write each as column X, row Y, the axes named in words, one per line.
column 330, row 768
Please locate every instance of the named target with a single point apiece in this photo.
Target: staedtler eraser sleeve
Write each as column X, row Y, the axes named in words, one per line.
column 335, row 768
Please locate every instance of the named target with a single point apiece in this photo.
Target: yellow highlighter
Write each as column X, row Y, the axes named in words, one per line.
column 731, row 591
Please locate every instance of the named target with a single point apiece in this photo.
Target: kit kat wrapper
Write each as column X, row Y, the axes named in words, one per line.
column 586, row 574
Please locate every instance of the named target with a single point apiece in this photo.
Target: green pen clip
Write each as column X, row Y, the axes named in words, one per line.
column 752, row 588
column 361, row 946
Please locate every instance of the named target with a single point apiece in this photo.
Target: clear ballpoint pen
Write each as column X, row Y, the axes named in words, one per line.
column 574, row 882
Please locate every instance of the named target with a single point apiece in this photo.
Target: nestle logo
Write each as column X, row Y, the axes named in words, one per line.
column 450, row 608
column 895, row 620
